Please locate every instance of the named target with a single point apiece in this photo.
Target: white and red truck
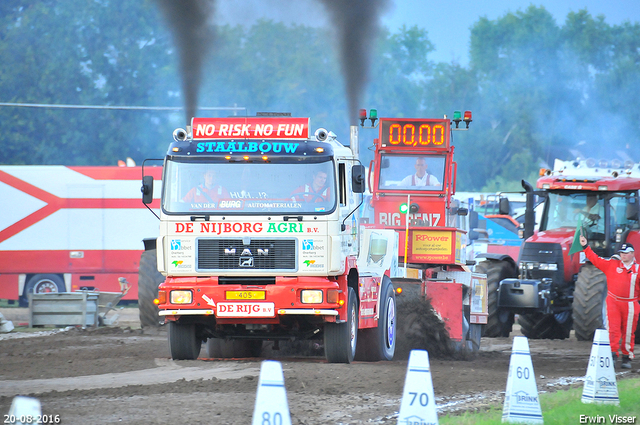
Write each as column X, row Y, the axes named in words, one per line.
column 64, row 229
column 270, row 248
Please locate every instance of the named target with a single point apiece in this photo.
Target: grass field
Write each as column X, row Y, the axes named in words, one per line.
column 565, row 408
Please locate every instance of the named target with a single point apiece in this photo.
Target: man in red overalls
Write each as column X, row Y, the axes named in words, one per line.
column 317, row 191
column 623, row 288
column 208, row 193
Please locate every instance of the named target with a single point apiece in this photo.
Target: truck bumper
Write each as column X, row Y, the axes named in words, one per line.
column 290, row 311
column 269, row 303
column 524, row 296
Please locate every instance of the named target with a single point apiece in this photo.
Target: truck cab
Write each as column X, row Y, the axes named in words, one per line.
column 259, row 241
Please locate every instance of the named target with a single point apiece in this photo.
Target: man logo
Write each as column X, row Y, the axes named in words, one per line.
column 247, row 252
column 246, row 262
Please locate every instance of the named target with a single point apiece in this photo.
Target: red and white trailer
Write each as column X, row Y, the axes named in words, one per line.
column 64, row 229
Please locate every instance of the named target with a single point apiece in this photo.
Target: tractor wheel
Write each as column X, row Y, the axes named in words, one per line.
column 379, row 343
column 340, row 339
column 149, row 278
column 545, row 326
column 589, row 302
column 499, row 322
column 183, row 341
column 220, row 348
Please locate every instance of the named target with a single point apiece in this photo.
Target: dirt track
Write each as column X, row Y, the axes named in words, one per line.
column 120, row 374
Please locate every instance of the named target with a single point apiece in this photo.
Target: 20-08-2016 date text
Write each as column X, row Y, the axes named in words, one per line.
column 31, row 419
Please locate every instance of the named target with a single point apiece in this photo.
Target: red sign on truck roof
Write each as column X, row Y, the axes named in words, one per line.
column 250, row 128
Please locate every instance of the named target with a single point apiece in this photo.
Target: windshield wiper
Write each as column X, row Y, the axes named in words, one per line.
column 200, row 217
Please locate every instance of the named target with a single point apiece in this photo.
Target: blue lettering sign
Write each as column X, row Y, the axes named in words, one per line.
column 263, row 147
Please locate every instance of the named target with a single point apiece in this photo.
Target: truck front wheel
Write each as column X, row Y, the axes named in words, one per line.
column 340, row 339
column 183, row 341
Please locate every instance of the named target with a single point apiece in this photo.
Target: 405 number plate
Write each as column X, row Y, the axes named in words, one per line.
column 245, row 295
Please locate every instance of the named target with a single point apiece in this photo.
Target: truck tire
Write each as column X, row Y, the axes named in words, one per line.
column 340, row 339
column 220, row 348
column 545, row 326
column 499, row 323
column 183, row 341
column 589, row 302
column 379, row 343
column 41, row 284
column 149, row 278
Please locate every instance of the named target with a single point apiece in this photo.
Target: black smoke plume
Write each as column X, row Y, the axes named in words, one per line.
column 189, row 22
column 357, row 23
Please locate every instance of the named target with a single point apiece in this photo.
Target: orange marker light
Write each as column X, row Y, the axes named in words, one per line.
column 398, row 291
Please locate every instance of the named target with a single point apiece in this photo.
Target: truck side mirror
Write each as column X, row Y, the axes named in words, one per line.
column 357, row 178
column 504, row 208
column 147, row 189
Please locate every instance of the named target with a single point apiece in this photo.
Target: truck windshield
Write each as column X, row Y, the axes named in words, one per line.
column 412, row 172
column 248, row 188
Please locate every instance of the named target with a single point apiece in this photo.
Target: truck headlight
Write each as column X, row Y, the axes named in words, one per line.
column 311, row 296
column 548, row 266
column 181, row 297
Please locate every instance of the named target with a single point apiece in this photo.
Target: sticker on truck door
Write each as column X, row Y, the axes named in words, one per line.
column 245, row 310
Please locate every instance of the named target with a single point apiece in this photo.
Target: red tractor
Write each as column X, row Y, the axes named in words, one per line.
column 557, row 290
column 412, row 179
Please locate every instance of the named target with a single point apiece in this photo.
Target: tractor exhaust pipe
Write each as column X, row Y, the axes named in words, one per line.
column 529, row 215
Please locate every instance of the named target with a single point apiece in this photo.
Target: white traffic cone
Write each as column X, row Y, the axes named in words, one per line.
column 418, row 403
column 271, row 400
column 23, row 410
column 521, row 401
column 600, row 382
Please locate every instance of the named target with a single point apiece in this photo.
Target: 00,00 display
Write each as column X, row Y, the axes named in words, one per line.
column 414, row 134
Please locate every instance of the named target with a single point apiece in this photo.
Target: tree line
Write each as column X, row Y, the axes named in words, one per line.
column 538, row 90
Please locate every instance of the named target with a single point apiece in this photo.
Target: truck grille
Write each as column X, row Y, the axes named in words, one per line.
column 235, row 254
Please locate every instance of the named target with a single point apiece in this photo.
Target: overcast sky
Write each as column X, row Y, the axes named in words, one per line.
column 447, row 22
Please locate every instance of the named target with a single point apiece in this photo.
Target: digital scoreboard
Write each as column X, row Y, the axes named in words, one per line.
column 415, row 133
